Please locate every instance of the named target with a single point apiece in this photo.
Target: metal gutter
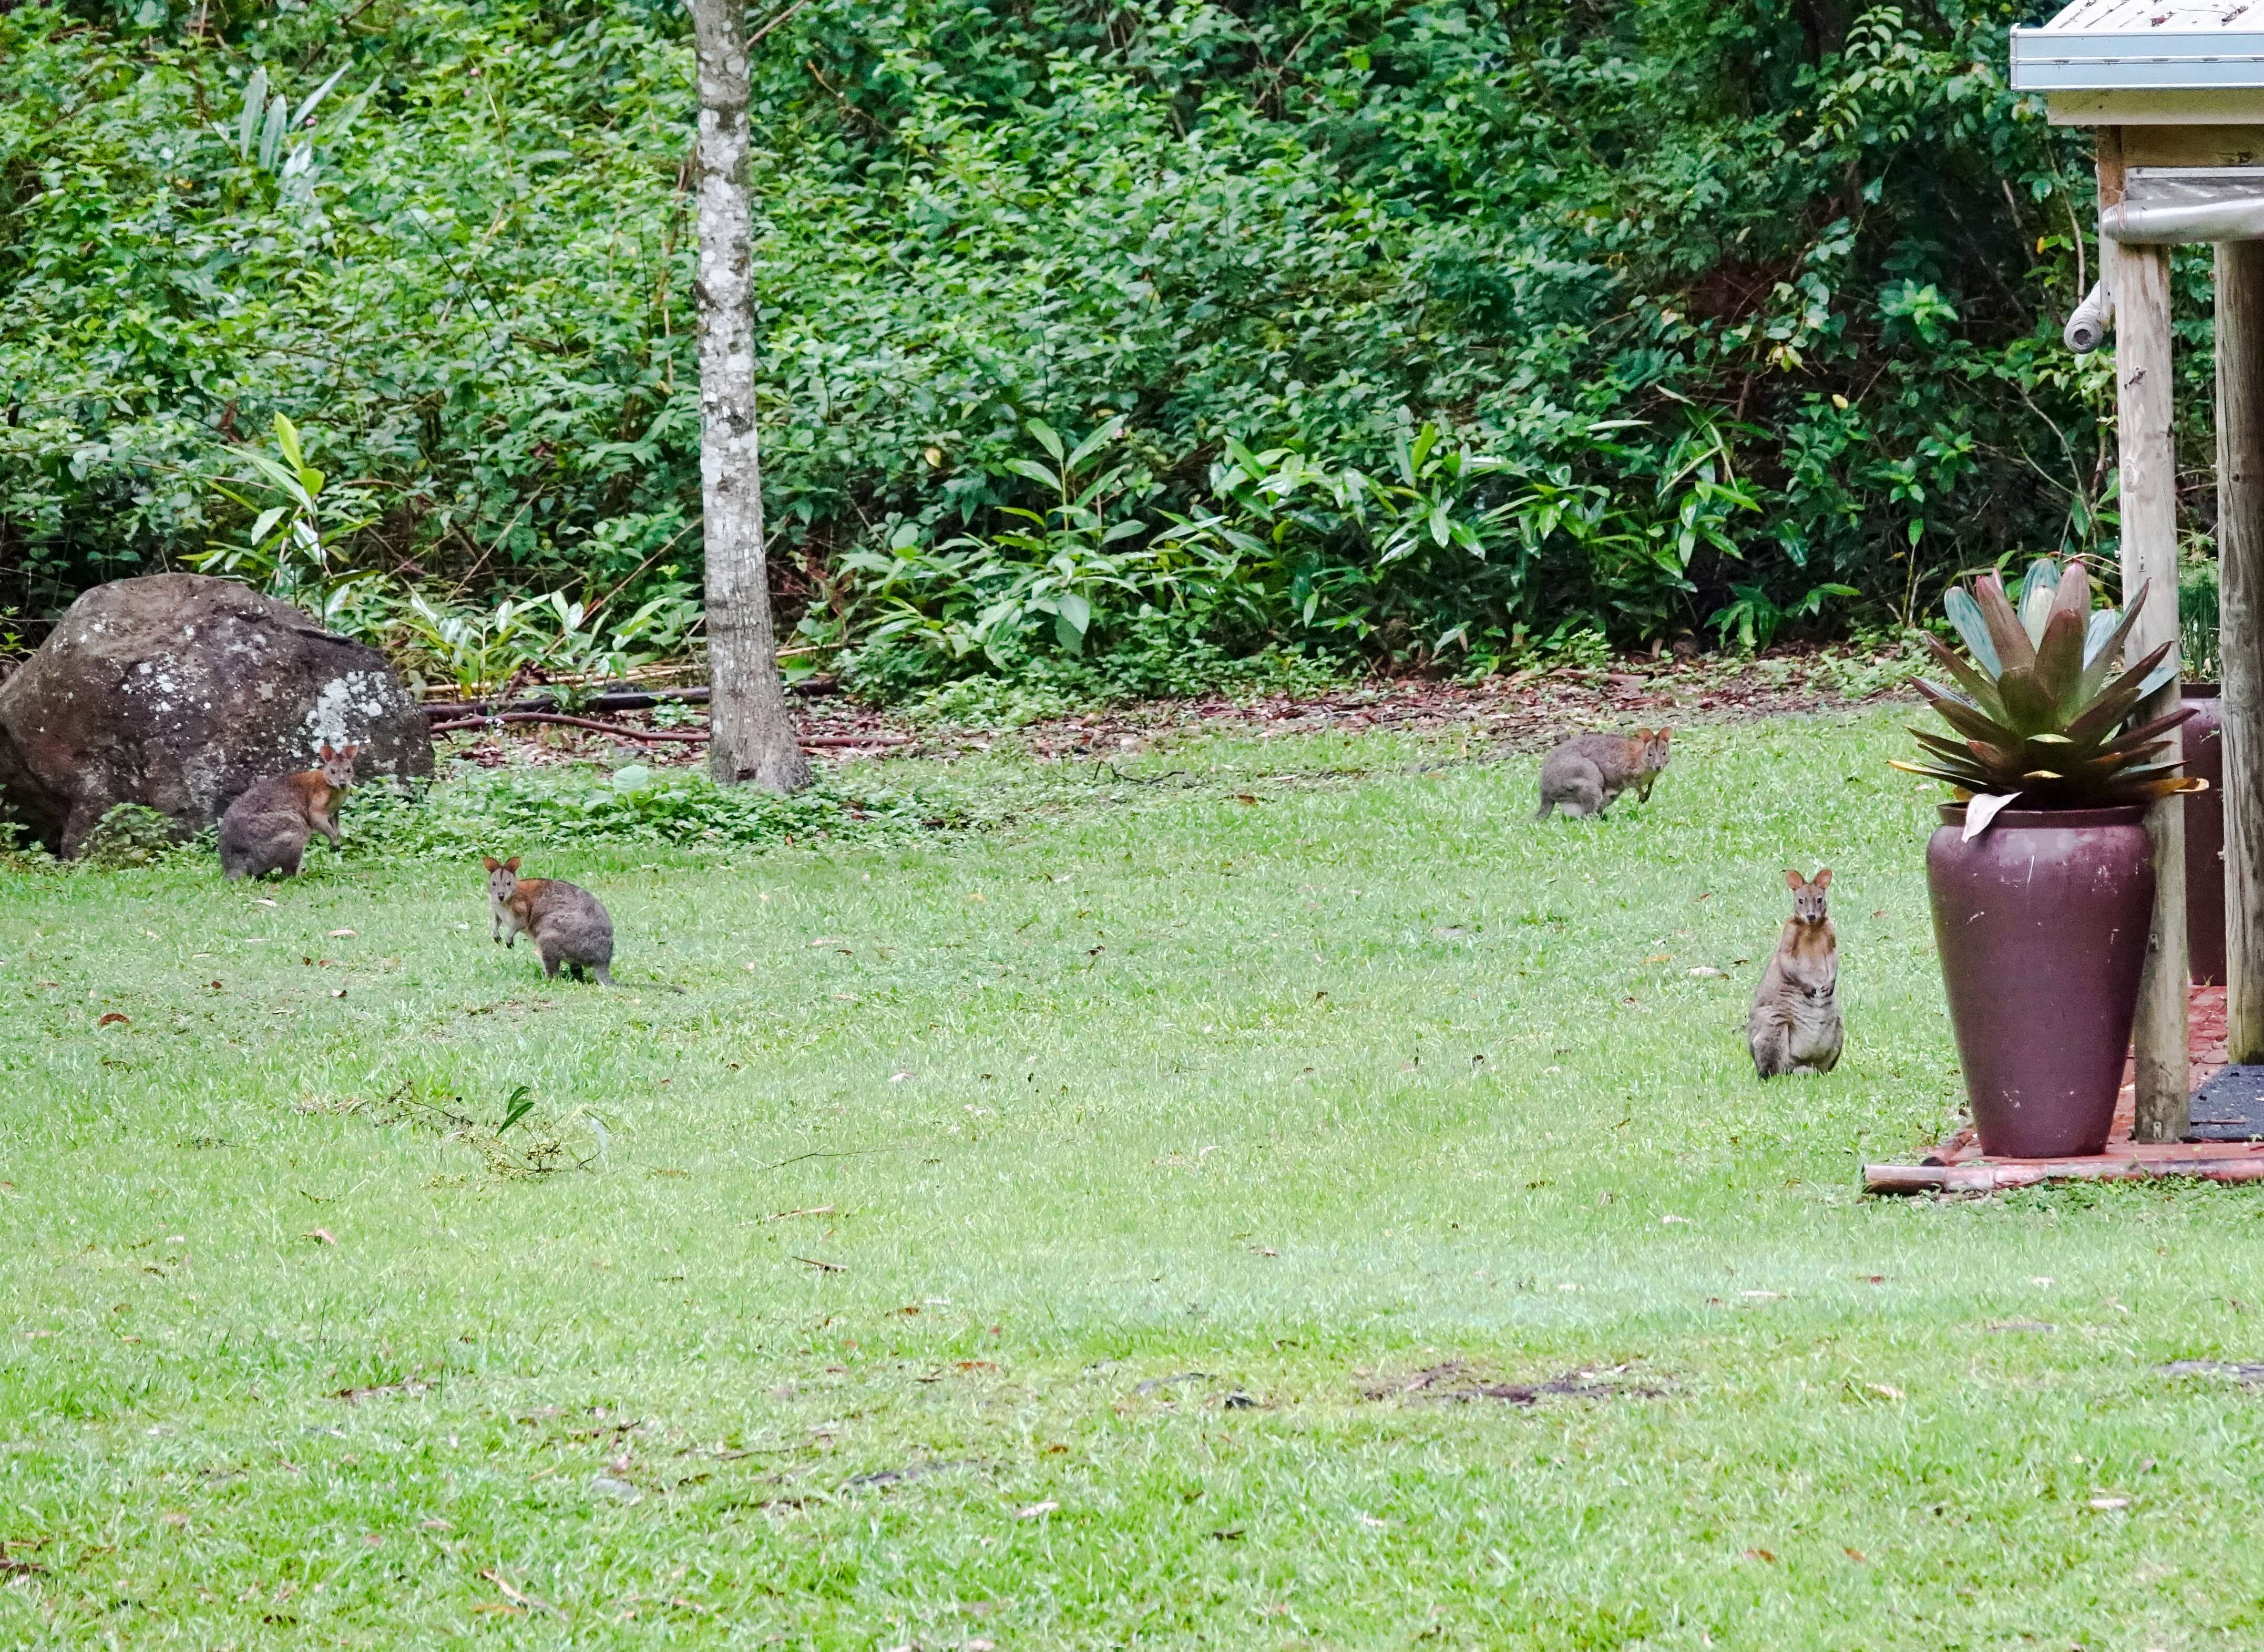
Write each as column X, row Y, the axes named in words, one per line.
column 2045, row 59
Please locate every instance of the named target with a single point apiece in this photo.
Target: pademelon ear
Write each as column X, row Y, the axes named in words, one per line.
column 1643, row 735
column 512, row 864
column 326, row 754
column 1792, row 880
column 1665, row 735
column 1823, row 880
column 348, row 751
column 490, row 862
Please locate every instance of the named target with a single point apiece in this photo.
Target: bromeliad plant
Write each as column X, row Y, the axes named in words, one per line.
column 2042, row 711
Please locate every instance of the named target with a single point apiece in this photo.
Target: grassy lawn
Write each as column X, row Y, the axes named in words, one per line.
column 1096, row 1231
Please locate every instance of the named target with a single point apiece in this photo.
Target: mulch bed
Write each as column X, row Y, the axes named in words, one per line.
column 1525, row 711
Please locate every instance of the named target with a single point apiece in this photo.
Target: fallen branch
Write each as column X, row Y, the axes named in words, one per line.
column 607, row 699
column 621, row 729
column 690, row 736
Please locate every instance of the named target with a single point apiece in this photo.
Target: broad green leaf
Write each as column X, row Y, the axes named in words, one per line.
column 314, row 98
column 271, row 133
column 1092, row 444
column 254, row 104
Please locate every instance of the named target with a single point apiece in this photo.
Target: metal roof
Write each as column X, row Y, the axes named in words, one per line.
column 2143, row 45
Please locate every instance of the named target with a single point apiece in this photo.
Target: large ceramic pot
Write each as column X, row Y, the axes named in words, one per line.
column 2041, row 922
column 2204, row 748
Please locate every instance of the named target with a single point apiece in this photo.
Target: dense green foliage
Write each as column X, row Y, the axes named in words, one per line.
column 1414, row 329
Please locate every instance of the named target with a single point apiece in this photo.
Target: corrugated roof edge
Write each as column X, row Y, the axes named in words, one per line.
column 2048, row 59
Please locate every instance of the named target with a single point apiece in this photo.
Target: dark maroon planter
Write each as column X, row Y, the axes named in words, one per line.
column 2041, row 922
column 2205, row 836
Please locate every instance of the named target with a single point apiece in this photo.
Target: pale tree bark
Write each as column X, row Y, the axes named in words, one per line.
column 752, row 736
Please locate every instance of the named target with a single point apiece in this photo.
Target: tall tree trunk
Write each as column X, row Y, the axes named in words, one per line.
column 752, row 736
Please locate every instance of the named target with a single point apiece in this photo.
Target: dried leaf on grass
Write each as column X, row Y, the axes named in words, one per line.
column 518, row 1596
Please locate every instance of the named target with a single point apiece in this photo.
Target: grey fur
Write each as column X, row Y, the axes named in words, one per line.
column 567, row 925
column 1586, row 774
column 267, row 827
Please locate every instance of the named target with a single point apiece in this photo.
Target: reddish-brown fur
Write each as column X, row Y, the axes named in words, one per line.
column 267, row 828
column 567, row 925
column 318, row 798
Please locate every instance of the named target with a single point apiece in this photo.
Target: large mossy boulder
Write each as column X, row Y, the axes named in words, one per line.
column 177, row 692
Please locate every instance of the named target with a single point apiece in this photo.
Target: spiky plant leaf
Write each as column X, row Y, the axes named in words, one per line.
column 1965, row 718
column 1982, row 690
column 2097, row 664
column 2136, row 737
column 2154, row 790
column 1965, row 614
column 1954, row 750
column 2095, row 634
column 2043, row 715
column 1929, row 773
column 2117, row 700
column 2013, row 648
column 2038, row 589
column 2030, row 708
column 2059, row 660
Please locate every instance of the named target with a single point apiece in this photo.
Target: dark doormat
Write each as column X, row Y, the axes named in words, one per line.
column 2229, row 1107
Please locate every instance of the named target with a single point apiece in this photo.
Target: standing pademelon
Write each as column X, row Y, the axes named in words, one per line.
column 567, row 925
column 1794, row 1026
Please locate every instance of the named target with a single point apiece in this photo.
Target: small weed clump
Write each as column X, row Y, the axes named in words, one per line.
column 129, row 835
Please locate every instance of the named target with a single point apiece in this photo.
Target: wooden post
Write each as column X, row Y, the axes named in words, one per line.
column 2240, row 642
column 2141, row 278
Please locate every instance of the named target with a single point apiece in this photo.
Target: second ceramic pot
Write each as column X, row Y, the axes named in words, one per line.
column 2204, row 748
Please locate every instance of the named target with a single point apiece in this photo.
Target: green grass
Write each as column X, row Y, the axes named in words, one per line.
column 1308, row 1094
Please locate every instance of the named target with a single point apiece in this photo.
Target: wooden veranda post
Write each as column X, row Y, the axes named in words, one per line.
column 2139, row 276
column 2241, row 583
